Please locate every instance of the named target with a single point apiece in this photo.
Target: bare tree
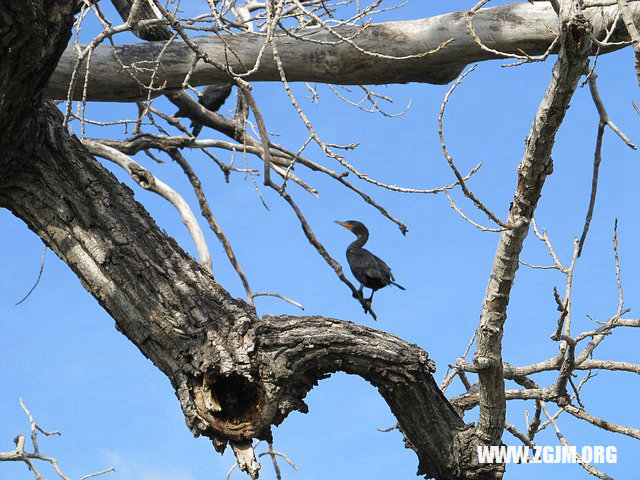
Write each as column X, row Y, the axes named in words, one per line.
column 236, row 374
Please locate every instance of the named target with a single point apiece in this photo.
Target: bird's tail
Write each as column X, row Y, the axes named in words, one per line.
column 397, row 285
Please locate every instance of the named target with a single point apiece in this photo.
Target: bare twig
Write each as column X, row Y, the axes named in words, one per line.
column 598, row 422
column 281, row 297
column 461, row 360
column 588, row 467
column 273, row 454
column 461, row 213
column 19, row 454
column 513, row 430
column 213, row 223
column 604, row 116
column 44, row 252
column 445, row 151
column 594, row 185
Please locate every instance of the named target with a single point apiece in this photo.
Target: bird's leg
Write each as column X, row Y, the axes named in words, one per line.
column 367, row 302
column 359, row 295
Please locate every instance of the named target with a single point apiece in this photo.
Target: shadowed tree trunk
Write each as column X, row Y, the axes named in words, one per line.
column 235, row 374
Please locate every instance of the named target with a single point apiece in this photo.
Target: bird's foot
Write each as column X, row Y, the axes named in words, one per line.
column 366, row 305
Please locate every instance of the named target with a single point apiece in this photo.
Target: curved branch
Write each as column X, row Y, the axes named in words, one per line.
column 402, row 372
column 234, row 375
column 148, row 181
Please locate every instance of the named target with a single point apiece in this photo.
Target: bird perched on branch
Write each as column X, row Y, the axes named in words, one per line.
column 213, row 97
column 368, row 269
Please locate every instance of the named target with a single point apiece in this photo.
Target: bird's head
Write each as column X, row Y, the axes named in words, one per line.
column 356, row 227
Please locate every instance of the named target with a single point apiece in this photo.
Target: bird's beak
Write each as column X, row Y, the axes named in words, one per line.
column 345, row 225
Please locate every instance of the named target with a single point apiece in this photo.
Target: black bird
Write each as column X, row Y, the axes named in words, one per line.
column 213, row 97
column 368, row 269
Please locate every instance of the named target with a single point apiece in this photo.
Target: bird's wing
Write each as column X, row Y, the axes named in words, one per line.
column 213, row 96
column 383, row 267
column 374, row 267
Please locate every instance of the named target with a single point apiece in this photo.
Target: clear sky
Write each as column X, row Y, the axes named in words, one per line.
column 60, row 352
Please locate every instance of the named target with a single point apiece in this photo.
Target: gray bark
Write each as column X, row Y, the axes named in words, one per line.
column 511, row 28
column 534, row 167
column 234, row 374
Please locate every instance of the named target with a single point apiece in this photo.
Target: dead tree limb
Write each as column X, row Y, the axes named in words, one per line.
column 512, row 28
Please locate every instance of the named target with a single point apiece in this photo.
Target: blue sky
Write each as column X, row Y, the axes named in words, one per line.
column 60, row 352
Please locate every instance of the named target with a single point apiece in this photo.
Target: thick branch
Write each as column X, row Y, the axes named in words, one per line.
column 532, row 171
column 27, row 59
column 400, row 371
column 511, row 28
column 235, row 376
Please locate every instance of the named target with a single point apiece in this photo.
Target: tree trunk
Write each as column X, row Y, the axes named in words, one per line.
column 234, row 374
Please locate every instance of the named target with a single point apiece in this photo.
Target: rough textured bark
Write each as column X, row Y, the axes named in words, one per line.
column 511, row 28
column 533, row 169
column 234, row 374
column 33, row 35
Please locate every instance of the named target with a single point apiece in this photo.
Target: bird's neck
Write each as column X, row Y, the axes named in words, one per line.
column 360, row 241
